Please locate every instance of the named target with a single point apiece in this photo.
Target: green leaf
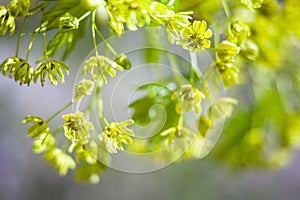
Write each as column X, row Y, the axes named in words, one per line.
column 57, row 42
column 89, row 173
column 156, row 94
column 52, row 16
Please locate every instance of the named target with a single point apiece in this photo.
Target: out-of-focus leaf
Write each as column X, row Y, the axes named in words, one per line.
column 89, row 173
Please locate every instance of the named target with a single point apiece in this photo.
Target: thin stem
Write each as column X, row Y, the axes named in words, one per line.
column 226, row 8
column 105, row 42
column 45, row 138
column 19, row 36
column 216, row 41
column 38, row 8
column 93, row 33
column 45, row 45
column 180, row 122
column 59, row 111
column 84, row 16
column 78, row 104
column 176, row 71
column 100, row 106
column 30, row 46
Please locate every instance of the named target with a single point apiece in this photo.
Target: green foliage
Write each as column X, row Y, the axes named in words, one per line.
column 90, row 173
column 57, row 42
column 156, row 94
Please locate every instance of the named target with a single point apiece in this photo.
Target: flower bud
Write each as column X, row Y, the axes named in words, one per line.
column 238, row 32
column 68, row 23
column 123, row 61
column 19, row 8
column 250, row 50
column 227, row 51
column 18, row 69
column 116, row 27
column 229, row 73
column 252, row 4
column 204, row 123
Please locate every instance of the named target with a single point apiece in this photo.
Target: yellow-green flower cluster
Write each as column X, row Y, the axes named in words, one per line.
column 77, row 128
column 132, row 12
column 178, row 140
column 238, row 32
column 252, row 4
column 53, row 68
column 189, row 99
column 45, row 142
column 116, row 134
column 194, row 37
column 227, row 51
column 18, row 69
column 98, row 66
column 16, row 8
column 83, row 88
column 7, row 21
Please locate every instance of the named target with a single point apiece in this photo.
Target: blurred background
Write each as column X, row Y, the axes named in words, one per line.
column 26, row 176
